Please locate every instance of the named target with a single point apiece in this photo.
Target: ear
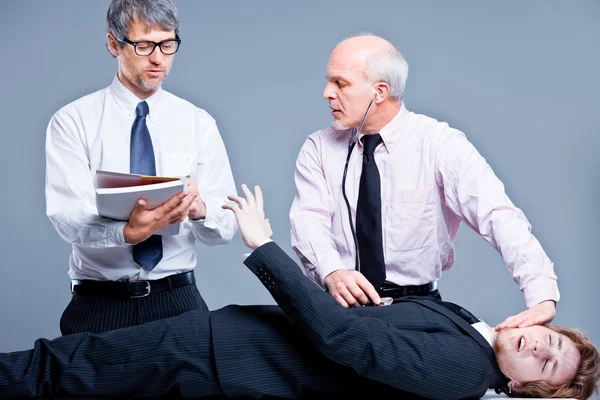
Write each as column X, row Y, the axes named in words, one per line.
column 112, row 45
column 383, row 91
column 515, row 386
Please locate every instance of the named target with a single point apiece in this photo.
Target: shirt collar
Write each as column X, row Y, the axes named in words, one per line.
column 394, row 130
column 127, row 101
column 483, row 329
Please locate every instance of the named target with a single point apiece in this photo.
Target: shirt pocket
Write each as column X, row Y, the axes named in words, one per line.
column 410, row 219
column 178, row 164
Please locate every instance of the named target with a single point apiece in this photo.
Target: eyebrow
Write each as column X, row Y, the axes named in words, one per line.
column 336, row 78
column 555, row 366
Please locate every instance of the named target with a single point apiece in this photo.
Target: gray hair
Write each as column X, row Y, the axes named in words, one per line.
column 153, row 13
column 389, row 67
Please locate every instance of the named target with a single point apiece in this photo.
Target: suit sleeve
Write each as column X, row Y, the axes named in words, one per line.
column 413, row 361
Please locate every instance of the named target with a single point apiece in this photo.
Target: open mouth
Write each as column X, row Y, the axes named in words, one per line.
column 521, row 343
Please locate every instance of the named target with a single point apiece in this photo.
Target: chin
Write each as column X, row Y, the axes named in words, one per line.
column 147, row 83
column 150, row 85
column 338, row 125
column 504, row 347
column 502, row 356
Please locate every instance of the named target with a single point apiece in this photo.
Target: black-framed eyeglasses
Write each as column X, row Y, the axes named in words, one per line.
column 145, row 47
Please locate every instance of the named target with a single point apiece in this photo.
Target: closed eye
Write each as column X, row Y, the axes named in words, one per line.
column 544, row 366
column 554, row 367
column 560, row 342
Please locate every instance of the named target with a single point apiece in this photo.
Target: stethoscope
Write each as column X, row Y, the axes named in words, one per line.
column 351, row 145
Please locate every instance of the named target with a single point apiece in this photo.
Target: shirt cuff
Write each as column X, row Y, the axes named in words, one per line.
column 541, row 290
column 246, row 255
column 117, row 234
column 328, row 263
column 209, row 218
column 218, row 227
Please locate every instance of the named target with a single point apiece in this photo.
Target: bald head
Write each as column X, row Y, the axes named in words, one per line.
column 364, row 70
column 359, row 49
column 375, row 58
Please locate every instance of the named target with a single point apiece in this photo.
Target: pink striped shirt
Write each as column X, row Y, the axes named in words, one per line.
column 432, row 179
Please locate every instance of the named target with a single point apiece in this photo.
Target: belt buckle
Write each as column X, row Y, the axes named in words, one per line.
column 141, row 295
column 433, row 287
column 74, row 282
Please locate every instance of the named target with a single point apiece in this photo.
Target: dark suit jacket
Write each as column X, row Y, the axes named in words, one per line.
column 310, row 347
column 417, row 346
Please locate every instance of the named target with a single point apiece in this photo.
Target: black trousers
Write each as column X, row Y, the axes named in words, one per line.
column 194, row 355
column 170, row 358
column 95, row 314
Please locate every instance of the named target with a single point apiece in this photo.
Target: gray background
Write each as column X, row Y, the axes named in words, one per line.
column 519, row 78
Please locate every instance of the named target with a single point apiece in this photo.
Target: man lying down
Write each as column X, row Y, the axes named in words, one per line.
column 309, row 346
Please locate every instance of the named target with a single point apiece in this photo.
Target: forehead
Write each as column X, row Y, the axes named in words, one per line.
column 139, row 30
column 349, row 72
column 343, row 63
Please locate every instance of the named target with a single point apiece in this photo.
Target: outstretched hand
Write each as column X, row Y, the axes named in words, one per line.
column 539, row 314
column 249, row 212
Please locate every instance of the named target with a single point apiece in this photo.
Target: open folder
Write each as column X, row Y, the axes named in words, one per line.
column 117, row 194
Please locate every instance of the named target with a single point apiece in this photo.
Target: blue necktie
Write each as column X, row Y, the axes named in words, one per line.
column 141, row 161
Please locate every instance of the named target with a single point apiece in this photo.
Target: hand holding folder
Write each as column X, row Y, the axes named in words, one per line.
column 117, row 194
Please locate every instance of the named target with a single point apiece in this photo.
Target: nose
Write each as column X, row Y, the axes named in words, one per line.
column 157, row 56
column 541, row 349
column 329, row 92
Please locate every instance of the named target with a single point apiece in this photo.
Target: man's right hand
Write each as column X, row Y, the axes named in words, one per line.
column 144, row 223
column 351, row 288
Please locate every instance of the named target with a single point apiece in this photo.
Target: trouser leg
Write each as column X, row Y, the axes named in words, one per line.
column 167, row 357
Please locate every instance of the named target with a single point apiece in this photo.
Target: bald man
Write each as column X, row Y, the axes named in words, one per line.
column 381, row 194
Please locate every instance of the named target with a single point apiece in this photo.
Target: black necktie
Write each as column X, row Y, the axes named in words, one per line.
column 141, row 161
column 368, row 216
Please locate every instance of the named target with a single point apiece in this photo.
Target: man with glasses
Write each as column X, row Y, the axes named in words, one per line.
column 122, row 273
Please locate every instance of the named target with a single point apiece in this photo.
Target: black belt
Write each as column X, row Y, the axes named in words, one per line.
column 395, row 291
column 131, row 289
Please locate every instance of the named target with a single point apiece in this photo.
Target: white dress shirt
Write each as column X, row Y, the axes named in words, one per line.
column 93, row 133
column 484, row 330
column 432, row 179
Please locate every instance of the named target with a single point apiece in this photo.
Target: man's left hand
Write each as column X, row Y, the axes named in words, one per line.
column 539, row 314
column 198, row 208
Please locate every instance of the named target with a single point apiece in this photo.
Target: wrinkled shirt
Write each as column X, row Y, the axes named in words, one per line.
column 432, row 179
